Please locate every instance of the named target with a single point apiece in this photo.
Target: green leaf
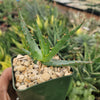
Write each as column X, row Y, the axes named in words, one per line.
column 97, row 69
column 16, row 51
column 33, row 47
column 88, row 79
column 55, row 63
column 74, row 30
column 93, row 54
column 44, row 45
column 97, row 59
column 60, row 44
column 19, row 45
column 95, row 74
column 26, row 51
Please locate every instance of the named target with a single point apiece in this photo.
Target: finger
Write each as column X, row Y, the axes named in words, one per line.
column 8, row 98
column 4, row 95
column 7, row 73
column 5, row 78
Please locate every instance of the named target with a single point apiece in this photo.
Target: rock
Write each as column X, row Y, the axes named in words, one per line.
column 55, row 69
column 66, row 73
column 21, row 77
column 27, row 80
column 18, row 84
column 31, row 66
column 27, row 57
column 35, row 66
column 53, row 76
column 17, row 73
column 59, row 74
column 45, row 76
column 31, row 84
column 27, row 63
column 28, row 74
column 14, row 61
column 20, row 56
column 56, row 57
column 32, row 77
column 22, row 87
column 58, row 69
column 40, row 80
column 19, row 68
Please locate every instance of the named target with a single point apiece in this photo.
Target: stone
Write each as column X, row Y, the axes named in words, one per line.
column 35, row 66
column 27, row 63
column 22, row 87
column 45, row 76
column 28, row 74
column 53, row 76
column 19, row 68
column 17, row 84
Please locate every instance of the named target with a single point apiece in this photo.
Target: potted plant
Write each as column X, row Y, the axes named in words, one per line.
column 52, row 88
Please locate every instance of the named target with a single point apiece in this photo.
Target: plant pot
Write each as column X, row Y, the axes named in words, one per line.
column 55, row 89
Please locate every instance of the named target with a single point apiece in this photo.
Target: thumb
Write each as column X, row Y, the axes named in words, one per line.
column 5, row 79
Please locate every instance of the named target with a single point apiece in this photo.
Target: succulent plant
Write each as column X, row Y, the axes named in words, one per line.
column 42, row 52
column 90, row 72
column 81, row 91
column 84, row 38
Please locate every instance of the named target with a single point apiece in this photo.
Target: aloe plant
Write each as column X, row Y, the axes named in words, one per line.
column 90, row 72
column 42, row 52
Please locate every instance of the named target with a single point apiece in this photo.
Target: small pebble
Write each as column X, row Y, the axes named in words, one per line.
column 22, row 87
column 45, row 76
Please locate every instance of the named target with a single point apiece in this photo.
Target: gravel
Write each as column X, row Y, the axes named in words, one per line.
column 27, row 73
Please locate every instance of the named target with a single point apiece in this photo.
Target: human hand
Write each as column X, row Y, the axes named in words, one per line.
column 5, row 83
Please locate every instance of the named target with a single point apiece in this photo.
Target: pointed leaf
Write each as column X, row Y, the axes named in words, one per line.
column 26, row 51
column 55, row 63
column 44, row 45
column 33, row 47
column 60, row 44
column 78, row 27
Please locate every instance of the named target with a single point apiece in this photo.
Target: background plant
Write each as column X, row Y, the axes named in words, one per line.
column 83, row 45
column 81, row 91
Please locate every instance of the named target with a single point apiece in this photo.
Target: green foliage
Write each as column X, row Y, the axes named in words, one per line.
column 41, row 54
column 2, row 53
column 61, row 43
column 81, row 39
column 5, row 63
column 90, row 72
column 81, row 91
